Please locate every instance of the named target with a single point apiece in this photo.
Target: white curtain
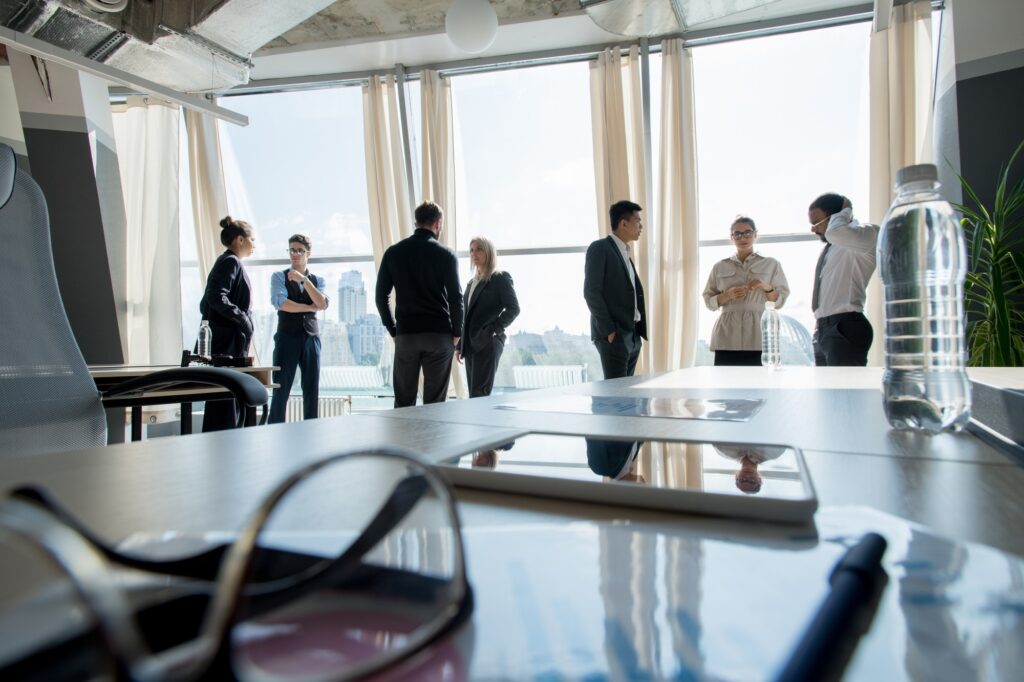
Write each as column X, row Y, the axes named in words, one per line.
column 146, row 134
column 438, row 177
column 387, row 182
column 901, row 86
column 671, row 243
column 209, row 196
column 438, row 150
column 616, row 109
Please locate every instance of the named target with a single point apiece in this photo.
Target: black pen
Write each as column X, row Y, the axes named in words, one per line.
column 829, row 640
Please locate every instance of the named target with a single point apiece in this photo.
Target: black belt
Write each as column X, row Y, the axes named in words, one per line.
column 829, row 319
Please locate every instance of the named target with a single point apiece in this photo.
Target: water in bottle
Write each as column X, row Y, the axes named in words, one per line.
column 922, row 262
column 771, row 353
column 205, row 339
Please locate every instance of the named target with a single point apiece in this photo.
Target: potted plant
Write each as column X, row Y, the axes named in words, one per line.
column 994, row 287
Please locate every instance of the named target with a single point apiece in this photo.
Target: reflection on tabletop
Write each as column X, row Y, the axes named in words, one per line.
column 748, row 479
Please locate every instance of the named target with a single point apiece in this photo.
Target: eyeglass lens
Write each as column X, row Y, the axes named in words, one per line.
column 360, row 591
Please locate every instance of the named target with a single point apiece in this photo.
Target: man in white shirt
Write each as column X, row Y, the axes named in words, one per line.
column 842, row 333
column 614, row 294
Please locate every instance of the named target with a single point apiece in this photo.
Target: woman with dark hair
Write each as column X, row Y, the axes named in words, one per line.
column 739, row 286
column 491, row 306
column 226, row 305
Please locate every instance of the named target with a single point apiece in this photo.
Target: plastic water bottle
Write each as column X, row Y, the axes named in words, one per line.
column 205, row 339
column 771, row 353
column 922, row 261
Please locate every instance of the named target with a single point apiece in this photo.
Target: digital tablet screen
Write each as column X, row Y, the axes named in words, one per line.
column 708, row 409
column 769, row 471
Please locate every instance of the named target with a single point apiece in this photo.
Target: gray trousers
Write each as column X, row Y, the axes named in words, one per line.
column 431, row 353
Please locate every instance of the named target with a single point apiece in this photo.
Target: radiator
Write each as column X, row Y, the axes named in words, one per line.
column 546, row 376
column 329, row 406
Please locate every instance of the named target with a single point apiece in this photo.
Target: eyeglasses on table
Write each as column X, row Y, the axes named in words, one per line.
column 349, row 566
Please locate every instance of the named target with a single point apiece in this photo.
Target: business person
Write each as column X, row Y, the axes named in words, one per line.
column 491, row 306
column 842, row 334
column 226, row 305
column 614, row 294
column 297, row 295
column 427, row 322
column 739, row 286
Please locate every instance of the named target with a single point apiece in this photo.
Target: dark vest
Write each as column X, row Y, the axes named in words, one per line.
column 295, row 323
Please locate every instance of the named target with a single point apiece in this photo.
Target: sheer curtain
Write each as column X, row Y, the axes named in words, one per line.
column 206, row 177
column 671, row 244
column 616, row 108
column 146, row 134
column 901, row 119
column 387, row 186
column 438, row 178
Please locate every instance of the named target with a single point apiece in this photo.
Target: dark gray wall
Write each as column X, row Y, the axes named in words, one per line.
column 62, row 165
column 990, row 110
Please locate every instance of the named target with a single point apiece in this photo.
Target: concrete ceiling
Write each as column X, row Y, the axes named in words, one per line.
column 362, row 20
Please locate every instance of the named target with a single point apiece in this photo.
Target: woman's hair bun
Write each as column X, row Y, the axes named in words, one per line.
column 226, row 222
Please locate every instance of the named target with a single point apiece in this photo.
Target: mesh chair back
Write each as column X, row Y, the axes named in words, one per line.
column 48, row 401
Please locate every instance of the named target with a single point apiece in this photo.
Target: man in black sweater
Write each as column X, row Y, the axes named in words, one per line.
column 425, row 277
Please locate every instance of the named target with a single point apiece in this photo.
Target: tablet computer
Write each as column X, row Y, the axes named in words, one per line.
column 751, row 481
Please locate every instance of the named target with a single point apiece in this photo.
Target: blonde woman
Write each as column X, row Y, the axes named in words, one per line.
column 739, row 286
column 491, row 306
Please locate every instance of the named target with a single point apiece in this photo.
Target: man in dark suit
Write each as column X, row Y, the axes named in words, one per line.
column 614, row 294
column 428, row 314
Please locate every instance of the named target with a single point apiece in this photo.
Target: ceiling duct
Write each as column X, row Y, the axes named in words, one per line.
column 191, row 46
column 648, row 18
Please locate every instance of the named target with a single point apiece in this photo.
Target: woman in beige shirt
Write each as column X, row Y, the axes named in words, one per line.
column 739, row 285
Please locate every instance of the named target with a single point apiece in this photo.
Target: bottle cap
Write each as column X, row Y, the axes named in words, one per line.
column 769, row 305
column 924, row 171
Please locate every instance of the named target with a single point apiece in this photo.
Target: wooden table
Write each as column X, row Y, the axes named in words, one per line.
column 109, row 376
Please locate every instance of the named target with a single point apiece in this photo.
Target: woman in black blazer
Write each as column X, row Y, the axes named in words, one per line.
column 490, row 305
column 226, row 305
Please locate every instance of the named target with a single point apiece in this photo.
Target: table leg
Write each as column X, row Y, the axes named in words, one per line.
column 186, row 418
column 136, row 422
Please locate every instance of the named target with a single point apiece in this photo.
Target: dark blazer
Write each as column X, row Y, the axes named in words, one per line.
column 608, row 292
column 425, row 276
column 491, row 310
column 226, row 301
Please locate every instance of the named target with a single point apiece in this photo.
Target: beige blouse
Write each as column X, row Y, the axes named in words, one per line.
column 739, row 325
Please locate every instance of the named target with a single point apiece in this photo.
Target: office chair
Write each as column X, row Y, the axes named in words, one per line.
column 48, row 400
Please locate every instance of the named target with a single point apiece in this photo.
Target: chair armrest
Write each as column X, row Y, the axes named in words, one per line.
column 247, row 390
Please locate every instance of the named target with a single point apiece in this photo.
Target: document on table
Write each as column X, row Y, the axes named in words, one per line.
column 712, row 409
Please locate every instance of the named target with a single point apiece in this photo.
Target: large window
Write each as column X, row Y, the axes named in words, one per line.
column 525, row 180
column 299, row 167
column 779, row 120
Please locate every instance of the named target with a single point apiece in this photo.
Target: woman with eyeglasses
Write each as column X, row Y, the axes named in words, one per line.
column 298, row 296
column 226, row 305
column 491, row 306
column 739, row 286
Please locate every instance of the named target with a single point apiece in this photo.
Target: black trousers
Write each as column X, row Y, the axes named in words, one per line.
column 427, row 352
column 618, row 358
column 742, row 358
column 290, row 351
column 219, row 415
column 481, row 366
column 842, row 340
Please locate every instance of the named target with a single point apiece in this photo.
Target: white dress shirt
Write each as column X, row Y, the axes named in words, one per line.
column 848, row 265
column 739, row 325
column 624, row 252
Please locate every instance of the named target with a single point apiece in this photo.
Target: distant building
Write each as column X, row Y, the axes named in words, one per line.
column 366, row 338
column 351, row 297
column 335, row 347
